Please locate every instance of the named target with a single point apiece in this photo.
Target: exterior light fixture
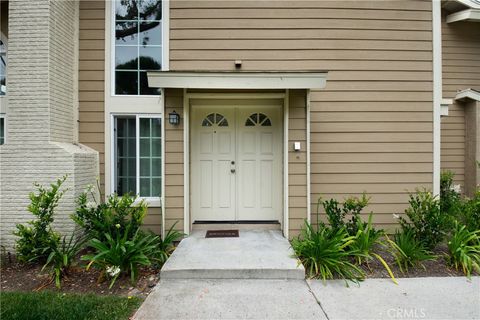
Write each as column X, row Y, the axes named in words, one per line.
column 173, row 118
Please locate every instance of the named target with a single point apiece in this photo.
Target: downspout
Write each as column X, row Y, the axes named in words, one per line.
column 437, row 90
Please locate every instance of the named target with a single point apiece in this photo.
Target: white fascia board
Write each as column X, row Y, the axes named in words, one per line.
column 237, row 80
column 470, row 3
column 468, row 94
column 464, row 15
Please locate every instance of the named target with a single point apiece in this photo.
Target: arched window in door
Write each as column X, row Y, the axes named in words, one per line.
column 258, row 119
column 215, row 119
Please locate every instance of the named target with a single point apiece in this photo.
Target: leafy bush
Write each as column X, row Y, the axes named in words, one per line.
column 469, row 213
column 116, row 215
column 166, row 245
column 450, row 199
column 408, row 251
column 464, row 249
column 39, row 235
column 326, row 253
column 62, row 256
column 366, row 241
column 425, row 219
column 119, row 254
column 337, row 213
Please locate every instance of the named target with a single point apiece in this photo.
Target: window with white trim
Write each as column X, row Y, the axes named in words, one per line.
column 138, row 45
column 138, row 155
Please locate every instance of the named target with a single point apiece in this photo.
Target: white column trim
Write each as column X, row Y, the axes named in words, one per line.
column 285, row 165
column 166, row 35
column 437, row 91
column 186, row 163
column 309, row 187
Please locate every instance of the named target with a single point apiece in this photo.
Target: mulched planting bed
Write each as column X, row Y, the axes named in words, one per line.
column 20, row 277
column 434, row 268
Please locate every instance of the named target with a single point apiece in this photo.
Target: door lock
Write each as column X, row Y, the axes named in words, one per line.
column 232, row 170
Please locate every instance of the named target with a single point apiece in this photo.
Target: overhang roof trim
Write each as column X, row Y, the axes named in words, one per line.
column 237, row 80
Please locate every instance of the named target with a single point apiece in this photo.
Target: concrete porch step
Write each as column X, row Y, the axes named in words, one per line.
column 255, row 254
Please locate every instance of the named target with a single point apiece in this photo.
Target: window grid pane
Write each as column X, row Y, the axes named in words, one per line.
column 150, row 157
column 126, row 149
column 137, row 25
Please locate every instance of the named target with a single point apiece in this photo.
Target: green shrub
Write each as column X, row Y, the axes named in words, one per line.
column 62, row 256
column 33, row 239
column 118, row 254
column 345, row 215
column 326, row 253
column 366, row 241
column 469, row 213
column 450, row 199
column 464, row 249
column 166, row 245
column 425, row 219
column 408, row 251
column 116, row 215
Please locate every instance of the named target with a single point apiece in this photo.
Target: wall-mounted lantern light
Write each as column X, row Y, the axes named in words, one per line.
column 173, row 118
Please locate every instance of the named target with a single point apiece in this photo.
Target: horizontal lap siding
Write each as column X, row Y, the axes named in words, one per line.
column 91, row 78
column 174, row 162
column 461, row 70
column 297, row 161
column 372, row 125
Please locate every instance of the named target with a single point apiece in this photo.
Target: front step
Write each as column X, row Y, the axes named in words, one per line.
column 255, row 254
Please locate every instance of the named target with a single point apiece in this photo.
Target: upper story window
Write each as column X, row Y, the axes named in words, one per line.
column 138, row 45
column 3, row 68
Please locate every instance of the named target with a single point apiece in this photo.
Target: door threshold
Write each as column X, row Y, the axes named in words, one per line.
column 238, row 225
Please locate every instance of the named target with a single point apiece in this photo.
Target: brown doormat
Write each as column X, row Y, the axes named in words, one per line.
column 222, row 234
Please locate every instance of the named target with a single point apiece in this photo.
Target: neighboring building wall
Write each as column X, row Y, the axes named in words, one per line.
column 38, row 106
column 460, row 55
column 372, row 125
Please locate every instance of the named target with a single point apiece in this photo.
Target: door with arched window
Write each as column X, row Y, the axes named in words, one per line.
column 236, row 163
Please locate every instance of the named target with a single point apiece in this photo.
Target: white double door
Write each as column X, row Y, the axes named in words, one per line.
column 236, row 163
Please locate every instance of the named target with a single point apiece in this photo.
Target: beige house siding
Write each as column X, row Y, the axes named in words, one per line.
column 174, row 162
column 297, row 161
column 91, row 79
column 372, row 125
column 461, row 70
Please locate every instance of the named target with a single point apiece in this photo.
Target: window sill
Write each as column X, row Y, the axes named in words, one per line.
column 151, row 202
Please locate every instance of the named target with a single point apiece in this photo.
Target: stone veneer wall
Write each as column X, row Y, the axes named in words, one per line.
column 41, row 113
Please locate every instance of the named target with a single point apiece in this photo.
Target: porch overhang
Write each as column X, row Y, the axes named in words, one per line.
column 467, row 94
column 237, row 80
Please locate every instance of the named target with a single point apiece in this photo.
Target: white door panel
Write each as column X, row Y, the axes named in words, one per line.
column 260, row 157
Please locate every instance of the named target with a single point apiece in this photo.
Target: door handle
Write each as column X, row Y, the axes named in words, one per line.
column 232, row 170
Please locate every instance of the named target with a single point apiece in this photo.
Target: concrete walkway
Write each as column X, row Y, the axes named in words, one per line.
column 262, row 254
column 414, row 298
column 255, row 276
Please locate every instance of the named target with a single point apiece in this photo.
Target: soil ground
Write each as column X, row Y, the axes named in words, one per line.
column 15, row 276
